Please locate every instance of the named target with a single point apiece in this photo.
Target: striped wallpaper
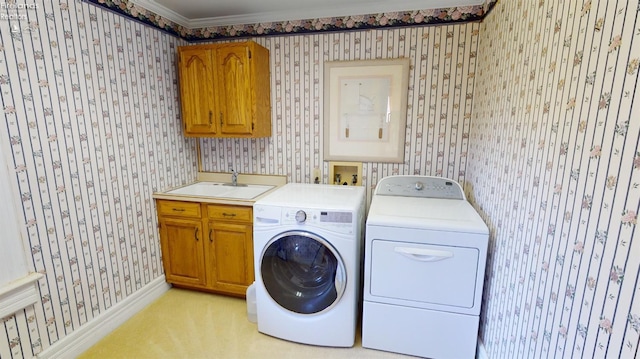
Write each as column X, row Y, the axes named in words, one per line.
column 554, row 167
column 92, row 124
column 92, row 128
column 442, row 66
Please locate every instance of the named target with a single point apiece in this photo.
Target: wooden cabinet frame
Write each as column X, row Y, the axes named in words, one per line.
column 225, row 90
column 207, row 246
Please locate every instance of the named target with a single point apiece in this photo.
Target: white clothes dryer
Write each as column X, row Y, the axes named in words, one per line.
column 307, row 251
column 425, row 256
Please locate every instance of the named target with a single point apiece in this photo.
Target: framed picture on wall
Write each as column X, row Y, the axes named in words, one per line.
column 365, row 110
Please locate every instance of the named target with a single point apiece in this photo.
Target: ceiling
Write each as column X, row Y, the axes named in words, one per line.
column 207, row 13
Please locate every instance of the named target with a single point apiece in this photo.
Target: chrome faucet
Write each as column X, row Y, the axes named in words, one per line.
column 234, row 177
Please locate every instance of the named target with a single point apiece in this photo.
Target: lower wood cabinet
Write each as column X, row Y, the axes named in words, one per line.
column 207, row 246
column 229, row 250
column 183, row 254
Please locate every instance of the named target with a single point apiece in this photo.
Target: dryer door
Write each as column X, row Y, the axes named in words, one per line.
column 302, row 272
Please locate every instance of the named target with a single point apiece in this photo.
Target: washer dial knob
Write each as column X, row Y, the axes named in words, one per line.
column 301, row 216
column 419, row 186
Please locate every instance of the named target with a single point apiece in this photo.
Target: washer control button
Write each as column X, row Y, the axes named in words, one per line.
column 419, row 186
column 301, row 216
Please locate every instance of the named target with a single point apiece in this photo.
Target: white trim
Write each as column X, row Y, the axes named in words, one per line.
column 482, row 350
column 19, row 294
column 90, row 333
column 165, row 12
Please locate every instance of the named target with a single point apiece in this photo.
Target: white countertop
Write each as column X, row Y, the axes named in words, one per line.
column 212, row 187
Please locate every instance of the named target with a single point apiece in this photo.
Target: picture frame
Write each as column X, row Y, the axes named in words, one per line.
column 365, row 110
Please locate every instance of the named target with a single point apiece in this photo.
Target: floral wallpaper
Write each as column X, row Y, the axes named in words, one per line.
column 455, row 14
column 91, row 128
column 554, row 167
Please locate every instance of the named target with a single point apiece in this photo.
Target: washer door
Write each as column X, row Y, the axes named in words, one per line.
column 302, row 272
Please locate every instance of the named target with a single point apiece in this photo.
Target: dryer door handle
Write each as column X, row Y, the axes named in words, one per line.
column 423, row 255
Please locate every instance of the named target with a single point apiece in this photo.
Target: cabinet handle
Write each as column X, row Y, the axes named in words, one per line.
column 177, row 209
column 210, row 231
column 196, row 234
column 228, row 214
column 221, row 118
column 210, row 118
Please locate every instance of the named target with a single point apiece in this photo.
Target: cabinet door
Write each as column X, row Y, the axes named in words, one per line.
column 196, row 91
column 234, row 89
column 182, row 246
column 230, row 253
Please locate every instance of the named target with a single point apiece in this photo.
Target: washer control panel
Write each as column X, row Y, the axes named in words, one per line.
column 346, row 222
column 341, row 221
column 420, row 186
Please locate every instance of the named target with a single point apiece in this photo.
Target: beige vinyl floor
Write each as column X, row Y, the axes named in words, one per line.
column 190, row 324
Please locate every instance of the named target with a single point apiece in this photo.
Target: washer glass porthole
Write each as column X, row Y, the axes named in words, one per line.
column 302, row 272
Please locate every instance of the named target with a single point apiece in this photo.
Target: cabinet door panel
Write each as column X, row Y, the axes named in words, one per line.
column 234, row 86
column 231, row 252
column 183, row 251
column 196, row 91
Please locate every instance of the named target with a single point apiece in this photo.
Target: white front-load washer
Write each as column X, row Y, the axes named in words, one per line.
column 425, row 255
column 307, row 251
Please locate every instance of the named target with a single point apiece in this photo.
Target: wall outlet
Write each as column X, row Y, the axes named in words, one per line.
column 316, row 176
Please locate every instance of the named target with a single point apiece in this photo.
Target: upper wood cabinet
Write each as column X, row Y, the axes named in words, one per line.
column 225, row 90
column 196, row 90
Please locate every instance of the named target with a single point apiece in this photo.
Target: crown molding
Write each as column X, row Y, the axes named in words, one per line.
column 163, row 11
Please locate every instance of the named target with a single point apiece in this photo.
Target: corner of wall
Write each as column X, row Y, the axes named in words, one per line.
column 89, row 334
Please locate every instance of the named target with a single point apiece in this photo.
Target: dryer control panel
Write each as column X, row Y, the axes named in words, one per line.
column 420, row 186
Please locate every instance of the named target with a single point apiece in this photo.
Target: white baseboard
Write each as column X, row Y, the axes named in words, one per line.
column 481, row 351
column 90, row 333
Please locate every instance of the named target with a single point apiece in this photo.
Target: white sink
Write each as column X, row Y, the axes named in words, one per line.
column 222, row 190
